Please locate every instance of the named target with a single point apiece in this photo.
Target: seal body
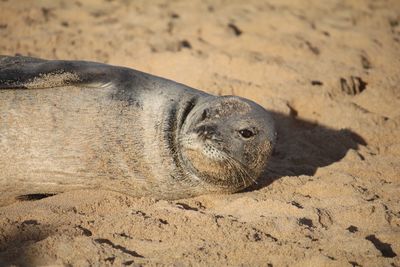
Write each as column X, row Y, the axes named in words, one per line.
column 72, row 124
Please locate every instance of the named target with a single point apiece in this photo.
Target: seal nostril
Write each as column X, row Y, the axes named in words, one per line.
column 205, row 114
column 206, row 131
column 200, row 129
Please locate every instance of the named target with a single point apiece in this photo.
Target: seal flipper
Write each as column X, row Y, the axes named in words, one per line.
column 32, row 73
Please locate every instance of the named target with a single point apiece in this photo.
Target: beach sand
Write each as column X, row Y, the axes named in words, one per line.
column 328, row 70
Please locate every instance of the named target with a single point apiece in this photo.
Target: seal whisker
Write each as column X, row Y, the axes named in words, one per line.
column 242, row 169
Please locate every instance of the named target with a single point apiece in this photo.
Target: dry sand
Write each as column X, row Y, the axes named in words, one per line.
column 329, row 70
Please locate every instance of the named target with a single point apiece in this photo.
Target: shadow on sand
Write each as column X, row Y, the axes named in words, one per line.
column 303, row 146
column 19, row 237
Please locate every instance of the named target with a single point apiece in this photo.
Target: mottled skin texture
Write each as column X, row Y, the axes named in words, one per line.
column 75, row 124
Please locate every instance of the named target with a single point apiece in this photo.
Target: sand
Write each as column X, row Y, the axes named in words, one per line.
column 329, row 71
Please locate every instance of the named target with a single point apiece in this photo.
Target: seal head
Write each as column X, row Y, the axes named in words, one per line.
column 227, row 142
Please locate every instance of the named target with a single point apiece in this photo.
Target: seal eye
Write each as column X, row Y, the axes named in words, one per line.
column 246, row 133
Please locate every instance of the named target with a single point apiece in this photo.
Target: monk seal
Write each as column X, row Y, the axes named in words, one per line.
column 74, row 124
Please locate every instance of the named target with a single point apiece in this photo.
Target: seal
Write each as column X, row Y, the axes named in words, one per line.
column 68, row 125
